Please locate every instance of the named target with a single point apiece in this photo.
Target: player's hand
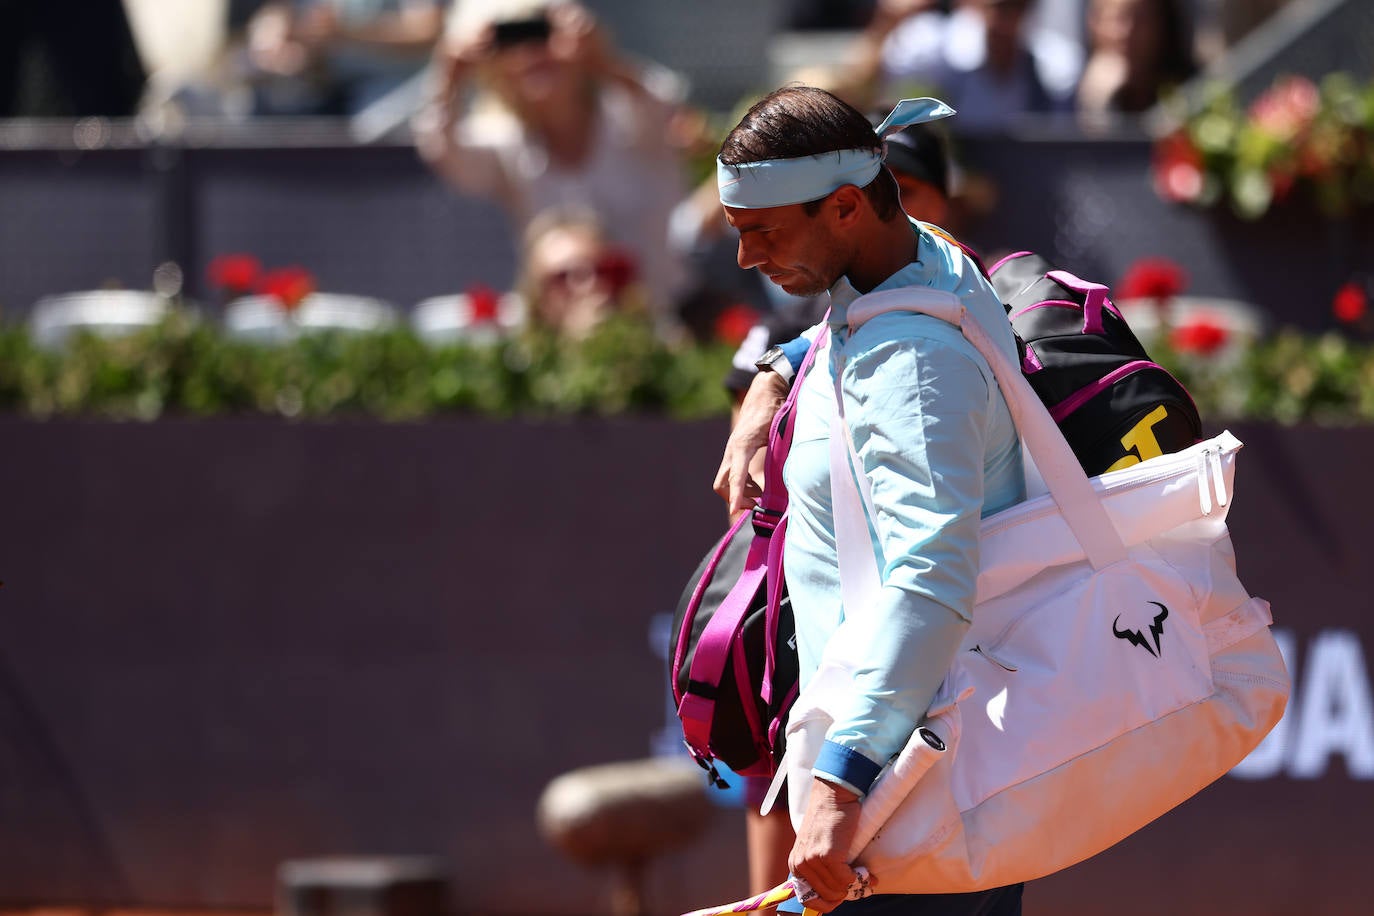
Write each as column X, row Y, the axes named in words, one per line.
column 733, row 481
column 821, row 854
column 578, row 37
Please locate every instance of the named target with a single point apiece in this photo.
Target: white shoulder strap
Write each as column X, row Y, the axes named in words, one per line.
column 1068, row 484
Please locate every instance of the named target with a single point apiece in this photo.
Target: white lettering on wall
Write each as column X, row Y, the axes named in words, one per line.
column 1336, row 716
column 1330, row 713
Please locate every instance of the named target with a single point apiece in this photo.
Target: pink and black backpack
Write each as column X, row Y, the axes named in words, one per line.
column 733, row 651
column 1114, row 404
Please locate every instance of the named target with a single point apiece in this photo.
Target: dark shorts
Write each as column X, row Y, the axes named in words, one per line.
column 1002, row 901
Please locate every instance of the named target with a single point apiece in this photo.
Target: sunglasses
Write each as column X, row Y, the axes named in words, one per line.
column 614, row 269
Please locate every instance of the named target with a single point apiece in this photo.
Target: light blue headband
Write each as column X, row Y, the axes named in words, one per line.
column 779, row 182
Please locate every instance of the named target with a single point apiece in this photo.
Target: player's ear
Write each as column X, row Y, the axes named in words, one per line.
column 846, row 203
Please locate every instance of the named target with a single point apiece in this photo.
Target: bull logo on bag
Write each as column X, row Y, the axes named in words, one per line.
column 1138, row 638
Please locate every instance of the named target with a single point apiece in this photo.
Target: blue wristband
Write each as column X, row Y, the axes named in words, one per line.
column 795, row 351
column 846, row 766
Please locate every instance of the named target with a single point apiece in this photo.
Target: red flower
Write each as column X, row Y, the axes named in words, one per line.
column 734, row 322
column 483, row 304
column 617, row 268
column 1282, row 182
column 1152, row 278
column 1287, row 109
column 1315, row 160
column 236, row 273
column 1351, row 303
column 288, row 285
column 1198, row 336
column 1177, row 169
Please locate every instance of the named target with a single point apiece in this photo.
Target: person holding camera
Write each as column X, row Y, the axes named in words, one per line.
column 533, row 107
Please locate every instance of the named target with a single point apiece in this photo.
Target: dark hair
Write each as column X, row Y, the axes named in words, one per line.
column 1174, row 62
column 800, row 121
column 919, row 152
column 1177, row 62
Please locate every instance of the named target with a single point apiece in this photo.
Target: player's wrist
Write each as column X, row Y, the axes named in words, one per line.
column 775, row 360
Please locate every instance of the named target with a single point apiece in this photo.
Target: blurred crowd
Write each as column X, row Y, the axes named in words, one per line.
column 596, row 154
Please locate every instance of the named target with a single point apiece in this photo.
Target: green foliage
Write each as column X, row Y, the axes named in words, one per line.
column 183, row 367
column 186, row 368
column 1287, row 378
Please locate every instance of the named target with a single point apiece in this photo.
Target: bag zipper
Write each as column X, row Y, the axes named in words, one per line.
column 1045, row 303
column 1004, row 665
column 1171, row 465
column 1204, row 492
column 1211, row 480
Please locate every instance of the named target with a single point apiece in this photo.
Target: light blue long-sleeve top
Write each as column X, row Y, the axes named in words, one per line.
column 936, row 439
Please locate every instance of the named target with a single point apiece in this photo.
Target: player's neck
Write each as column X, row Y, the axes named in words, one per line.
column 887, row 248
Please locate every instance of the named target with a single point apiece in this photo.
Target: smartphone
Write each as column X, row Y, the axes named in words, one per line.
column 521, row 31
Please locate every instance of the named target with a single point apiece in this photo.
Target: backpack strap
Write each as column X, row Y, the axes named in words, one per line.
column 1095, row 298
column 1069, row 485
column 762, row 567
column 969, row 252
column 779, row 445
column 697, row 708
column 774, row 497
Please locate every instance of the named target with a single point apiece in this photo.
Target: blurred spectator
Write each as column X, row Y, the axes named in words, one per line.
column 919, row 159
column 1137, row 49
column 571, row 278
column 336, row 57
column 187, row 50
column 559, row 119
column 67, row 59
column 982, row 58
column 1063, row 17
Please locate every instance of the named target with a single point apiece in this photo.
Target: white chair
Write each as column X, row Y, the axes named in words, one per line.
column 449, row 319
column 103, row 312
column 265, row 320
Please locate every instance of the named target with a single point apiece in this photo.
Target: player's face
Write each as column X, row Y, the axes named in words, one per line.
column 795, row 250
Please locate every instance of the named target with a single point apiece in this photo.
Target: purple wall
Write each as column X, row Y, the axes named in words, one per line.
column 230, row 643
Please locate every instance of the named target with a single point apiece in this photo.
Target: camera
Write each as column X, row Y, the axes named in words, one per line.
column 521, row 31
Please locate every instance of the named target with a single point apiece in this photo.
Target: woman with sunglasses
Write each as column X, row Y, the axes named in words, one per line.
column 559, row 119
column 572, row 278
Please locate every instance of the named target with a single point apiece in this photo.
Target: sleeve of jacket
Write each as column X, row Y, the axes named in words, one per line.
column 917, row 407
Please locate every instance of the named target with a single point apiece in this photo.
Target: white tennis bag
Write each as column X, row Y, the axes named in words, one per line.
column 1115, row 664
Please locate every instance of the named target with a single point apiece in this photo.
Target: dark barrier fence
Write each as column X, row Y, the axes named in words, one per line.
column 371, row 220
column 365, row 220
column 231, row 643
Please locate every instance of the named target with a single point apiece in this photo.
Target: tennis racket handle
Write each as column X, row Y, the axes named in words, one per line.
column 860, row 888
